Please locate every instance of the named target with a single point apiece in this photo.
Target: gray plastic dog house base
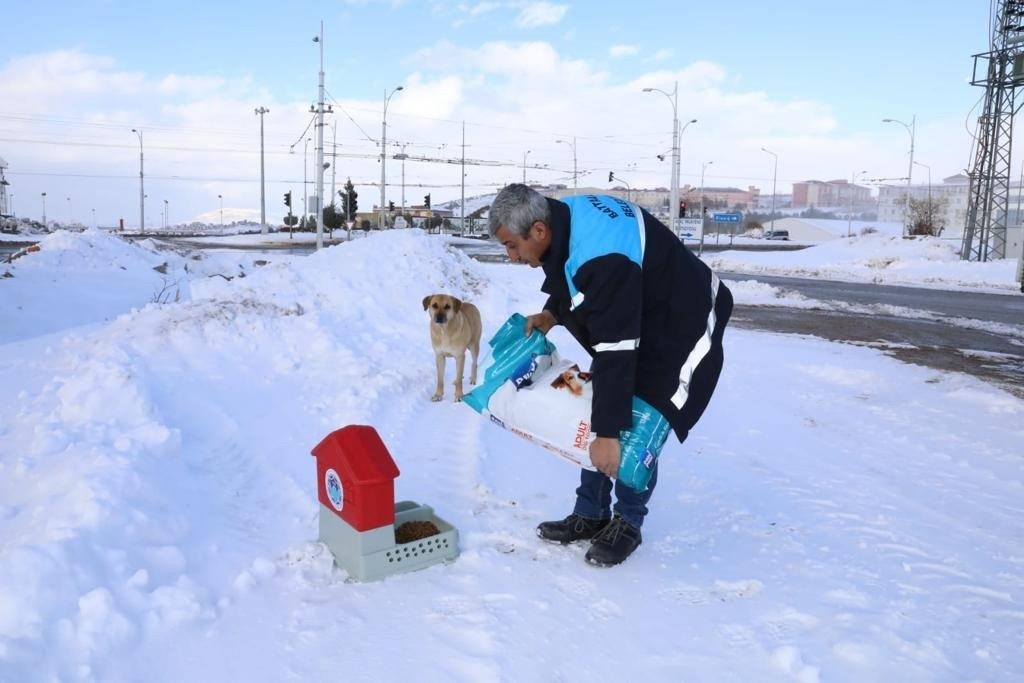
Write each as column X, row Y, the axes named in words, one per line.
column 373, row 554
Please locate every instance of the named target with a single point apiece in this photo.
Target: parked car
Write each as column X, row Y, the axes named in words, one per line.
column 777, row 235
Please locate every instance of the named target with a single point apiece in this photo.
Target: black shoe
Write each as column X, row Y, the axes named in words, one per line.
column 572, row 528
column 615, row 543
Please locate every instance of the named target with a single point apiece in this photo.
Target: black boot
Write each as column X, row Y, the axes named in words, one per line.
column 572, row 528
column 615, row 543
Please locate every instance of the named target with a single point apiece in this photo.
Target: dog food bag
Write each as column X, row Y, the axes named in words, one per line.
column 531, row 391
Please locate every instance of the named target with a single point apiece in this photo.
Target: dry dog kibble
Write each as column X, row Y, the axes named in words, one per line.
column 414, row 531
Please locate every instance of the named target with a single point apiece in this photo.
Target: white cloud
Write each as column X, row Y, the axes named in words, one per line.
column 623, row 50
column 41, row 82
column 483, row 8
column 541, row 14
column 660, row 56
column 191, row 86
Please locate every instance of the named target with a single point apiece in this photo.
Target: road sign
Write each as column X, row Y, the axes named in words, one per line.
column 725, row 217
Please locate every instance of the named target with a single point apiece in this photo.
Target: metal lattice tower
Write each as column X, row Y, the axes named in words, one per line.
column 989, row 192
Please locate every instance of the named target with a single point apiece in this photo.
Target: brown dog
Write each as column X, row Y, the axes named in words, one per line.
column 454, row 327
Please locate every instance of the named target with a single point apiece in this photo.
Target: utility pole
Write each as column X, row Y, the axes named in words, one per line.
column 384, row 154
column 260, row 111
column 462, row 204
column 142, row 191
column 334, row 157
column 320, row 144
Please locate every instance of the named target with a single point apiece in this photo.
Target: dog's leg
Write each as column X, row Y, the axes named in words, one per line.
column 475, row 350
column 460, row 366
column 439, row 390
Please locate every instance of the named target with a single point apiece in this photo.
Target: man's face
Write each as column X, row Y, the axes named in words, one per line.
column 527, row 249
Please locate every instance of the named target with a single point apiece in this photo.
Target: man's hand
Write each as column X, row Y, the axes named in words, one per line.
column 605, row 454
column 542, row 321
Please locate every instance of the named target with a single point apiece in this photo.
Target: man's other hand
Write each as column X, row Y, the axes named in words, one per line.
column 542, row 321
column 605, row 454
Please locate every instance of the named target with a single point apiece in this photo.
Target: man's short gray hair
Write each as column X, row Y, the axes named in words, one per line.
column 517, row 207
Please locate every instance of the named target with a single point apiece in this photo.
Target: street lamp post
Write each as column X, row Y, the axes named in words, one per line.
column 220, row 197
column 574, row 173
column 167, row 216
column 260, row 111
column 320, row 110
column 142, row 191
column 93, row 218
column 70, row 214
column 853, row 183
column 775, row 175
column 44, row 210
column 673, row 99
column 383, row 152
column 524, row 165
column 910, row 167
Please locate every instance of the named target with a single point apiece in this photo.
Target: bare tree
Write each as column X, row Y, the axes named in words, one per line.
column 928, row 215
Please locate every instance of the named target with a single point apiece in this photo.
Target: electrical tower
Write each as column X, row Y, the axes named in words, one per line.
column 1002, row 70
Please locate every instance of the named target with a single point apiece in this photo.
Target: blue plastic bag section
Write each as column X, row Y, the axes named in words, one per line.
column 514, row 358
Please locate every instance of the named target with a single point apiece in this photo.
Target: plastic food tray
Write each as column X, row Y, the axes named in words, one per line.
column 371, row 555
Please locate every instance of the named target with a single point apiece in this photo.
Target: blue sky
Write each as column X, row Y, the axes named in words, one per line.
column 809, row 80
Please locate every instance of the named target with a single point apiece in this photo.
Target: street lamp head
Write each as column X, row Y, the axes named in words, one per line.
column 692, row 121
column 648, row 90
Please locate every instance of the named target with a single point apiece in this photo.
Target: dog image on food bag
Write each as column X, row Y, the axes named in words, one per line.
column 455, row 328
column 572, row 379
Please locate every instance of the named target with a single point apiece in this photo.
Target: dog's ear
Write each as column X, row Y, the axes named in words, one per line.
column 426, row 301
column 456, row 305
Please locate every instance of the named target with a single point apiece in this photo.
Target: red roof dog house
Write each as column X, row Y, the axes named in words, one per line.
column 358, row 514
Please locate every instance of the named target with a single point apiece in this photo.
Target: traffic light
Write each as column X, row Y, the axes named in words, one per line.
column 426, row 201
column 288, row 199
column 391, row 207
column 682, row 209
column 611, row 176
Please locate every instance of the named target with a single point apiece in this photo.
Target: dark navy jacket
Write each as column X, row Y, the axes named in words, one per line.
column 649, row 312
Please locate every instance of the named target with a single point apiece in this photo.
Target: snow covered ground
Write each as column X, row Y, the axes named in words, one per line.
column 836, row 516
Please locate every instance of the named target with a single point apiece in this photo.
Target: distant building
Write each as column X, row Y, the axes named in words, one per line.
column 829, row 194
column 656, row 200
column 731, row 198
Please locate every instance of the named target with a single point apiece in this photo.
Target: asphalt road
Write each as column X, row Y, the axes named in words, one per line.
column 976, row 333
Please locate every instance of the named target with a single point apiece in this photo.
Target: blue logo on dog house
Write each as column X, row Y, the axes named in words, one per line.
column 332, row 484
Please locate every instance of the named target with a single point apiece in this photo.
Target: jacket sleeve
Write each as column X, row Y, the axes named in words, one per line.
column 612, row 288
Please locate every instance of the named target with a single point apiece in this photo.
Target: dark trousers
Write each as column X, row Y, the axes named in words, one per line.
column 594, row 498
